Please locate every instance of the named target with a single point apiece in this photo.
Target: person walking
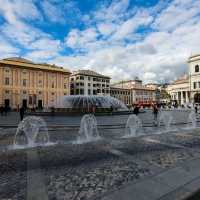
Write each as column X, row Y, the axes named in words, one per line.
column 155, row 114
column 136, row 110
column 111, row 110
column 1, row 110
column 196, row 108
column 21, row 112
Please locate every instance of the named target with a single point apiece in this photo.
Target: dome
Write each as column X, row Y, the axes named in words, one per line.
column 86, row 102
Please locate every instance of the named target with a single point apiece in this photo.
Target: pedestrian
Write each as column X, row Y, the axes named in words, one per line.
column 93, row 109
column 111, row 110
column 196, row 108
column 136, row 110
column 1, row 110
column 155, row 114
column 21, row 112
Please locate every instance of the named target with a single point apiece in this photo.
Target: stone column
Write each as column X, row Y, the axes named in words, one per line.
column 182, row 99
column 187, row 97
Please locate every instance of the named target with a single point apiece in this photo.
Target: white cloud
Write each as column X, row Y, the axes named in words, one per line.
column 131, row 25
column 177, row 13
column 6, row 49
column 106, row 28
column 81, row 39
column 13, row 10
column 52, row 12
column 169, row 34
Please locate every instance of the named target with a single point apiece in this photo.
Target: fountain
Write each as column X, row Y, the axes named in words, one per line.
column 166, row 118
column 133, row 125
column 192, row 119
column 88, row 101
column 88, row 129
column 32, row 131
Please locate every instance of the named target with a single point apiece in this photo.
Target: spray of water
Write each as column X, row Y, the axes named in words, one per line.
column 192, row 119
column 166, row 118
column 88, row 129
column 133, row 125
column 32, row 131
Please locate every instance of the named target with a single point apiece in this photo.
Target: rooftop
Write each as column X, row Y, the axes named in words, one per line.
column 182, row 79
column 22, row 62
column 89, row 73
column 194, row 58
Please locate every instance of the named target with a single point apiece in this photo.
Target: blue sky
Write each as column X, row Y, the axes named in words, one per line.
column 120, row 38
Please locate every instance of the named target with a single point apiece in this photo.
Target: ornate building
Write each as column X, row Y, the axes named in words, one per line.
column 23, row 82
column 138, row 93
column 194, row 78
column 186, row 89
column 179, row 90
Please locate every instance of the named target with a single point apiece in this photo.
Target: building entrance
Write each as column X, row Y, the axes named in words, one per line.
column 24, row 103
column 197, row 98
column 40, row 104
column 7, row 103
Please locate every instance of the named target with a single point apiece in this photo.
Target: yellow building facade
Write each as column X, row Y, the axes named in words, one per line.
column 32, row 85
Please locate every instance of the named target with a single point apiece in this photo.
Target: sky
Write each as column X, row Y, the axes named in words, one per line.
column 119, row 38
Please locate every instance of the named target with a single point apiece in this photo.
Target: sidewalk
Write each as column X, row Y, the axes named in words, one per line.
column 176, row 183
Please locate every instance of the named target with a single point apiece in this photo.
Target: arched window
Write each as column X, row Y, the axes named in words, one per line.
column 196, row 68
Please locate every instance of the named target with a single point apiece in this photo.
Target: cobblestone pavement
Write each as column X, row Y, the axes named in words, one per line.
column 87, row 171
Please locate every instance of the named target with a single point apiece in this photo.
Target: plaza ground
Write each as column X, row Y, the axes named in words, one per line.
column 155, row 165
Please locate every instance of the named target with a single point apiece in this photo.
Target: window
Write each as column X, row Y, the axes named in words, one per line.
column 98, row 91
column 24, row 92
column 52, row 85
column 88, row 78
column 94, row 92
column 81, row 77
column 199, row 84
column 196, row 68
column 65, row 86
column 52, row 93
column 24, row 82
column 89, row 91
column 7, row 91
column 6, row 81
column 88, row 84
column 40, row 83
column 81, row 91
column 194, row 85
column 40, row 92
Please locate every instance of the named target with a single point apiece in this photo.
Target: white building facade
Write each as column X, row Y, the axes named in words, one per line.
column 194, row 78
column 179, row 91
column 187, row 88
column 87, row 82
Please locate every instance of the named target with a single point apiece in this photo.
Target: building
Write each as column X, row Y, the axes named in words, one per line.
column 179, row 91
column 123, row 94
column 87, row 82
column 23, row 82
column 186, row 89
column 139, row 93
column 194, row 78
